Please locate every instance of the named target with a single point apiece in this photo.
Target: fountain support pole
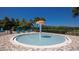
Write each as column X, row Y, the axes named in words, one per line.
column 40, row 30
column 40, row 23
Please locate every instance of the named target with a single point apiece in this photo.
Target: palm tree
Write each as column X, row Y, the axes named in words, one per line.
column 8, row 24
column 31, row 24
column 38, row 19
column 75, row 11
column 24, row 24
column 17, row 22
column 1, row 23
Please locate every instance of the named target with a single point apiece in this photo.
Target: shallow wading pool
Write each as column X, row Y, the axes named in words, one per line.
column 44, row 40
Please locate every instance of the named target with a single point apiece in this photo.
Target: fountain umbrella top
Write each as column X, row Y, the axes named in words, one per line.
column 41, row 22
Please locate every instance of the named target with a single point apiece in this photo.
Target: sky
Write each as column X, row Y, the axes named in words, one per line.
column 55, row 16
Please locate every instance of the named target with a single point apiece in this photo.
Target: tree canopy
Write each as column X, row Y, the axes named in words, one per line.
column 75, row 11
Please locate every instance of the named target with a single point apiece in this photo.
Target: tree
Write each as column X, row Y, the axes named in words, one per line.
column 17, row 22
column 13, row 21
column 31, row 24
column 1, row 24
column 38, row 18
column 8, row 24
column 24, row 24
column 75, row 11
column 43, row 19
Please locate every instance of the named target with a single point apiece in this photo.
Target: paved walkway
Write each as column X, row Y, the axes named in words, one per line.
column 6, row 45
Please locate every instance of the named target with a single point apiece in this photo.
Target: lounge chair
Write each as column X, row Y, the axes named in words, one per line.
column 23, row 31
column 19, row 29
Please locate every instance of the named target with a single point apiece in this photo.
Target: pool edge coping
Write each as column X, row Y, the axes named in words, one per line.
column 67, row 41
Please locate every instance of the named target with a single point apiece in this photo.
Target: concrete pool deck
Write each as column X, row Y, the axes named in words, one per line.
column 6, row 45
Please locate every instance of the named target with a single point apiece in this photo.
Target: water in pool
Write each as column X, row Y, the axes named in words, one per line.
column 44, row 40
